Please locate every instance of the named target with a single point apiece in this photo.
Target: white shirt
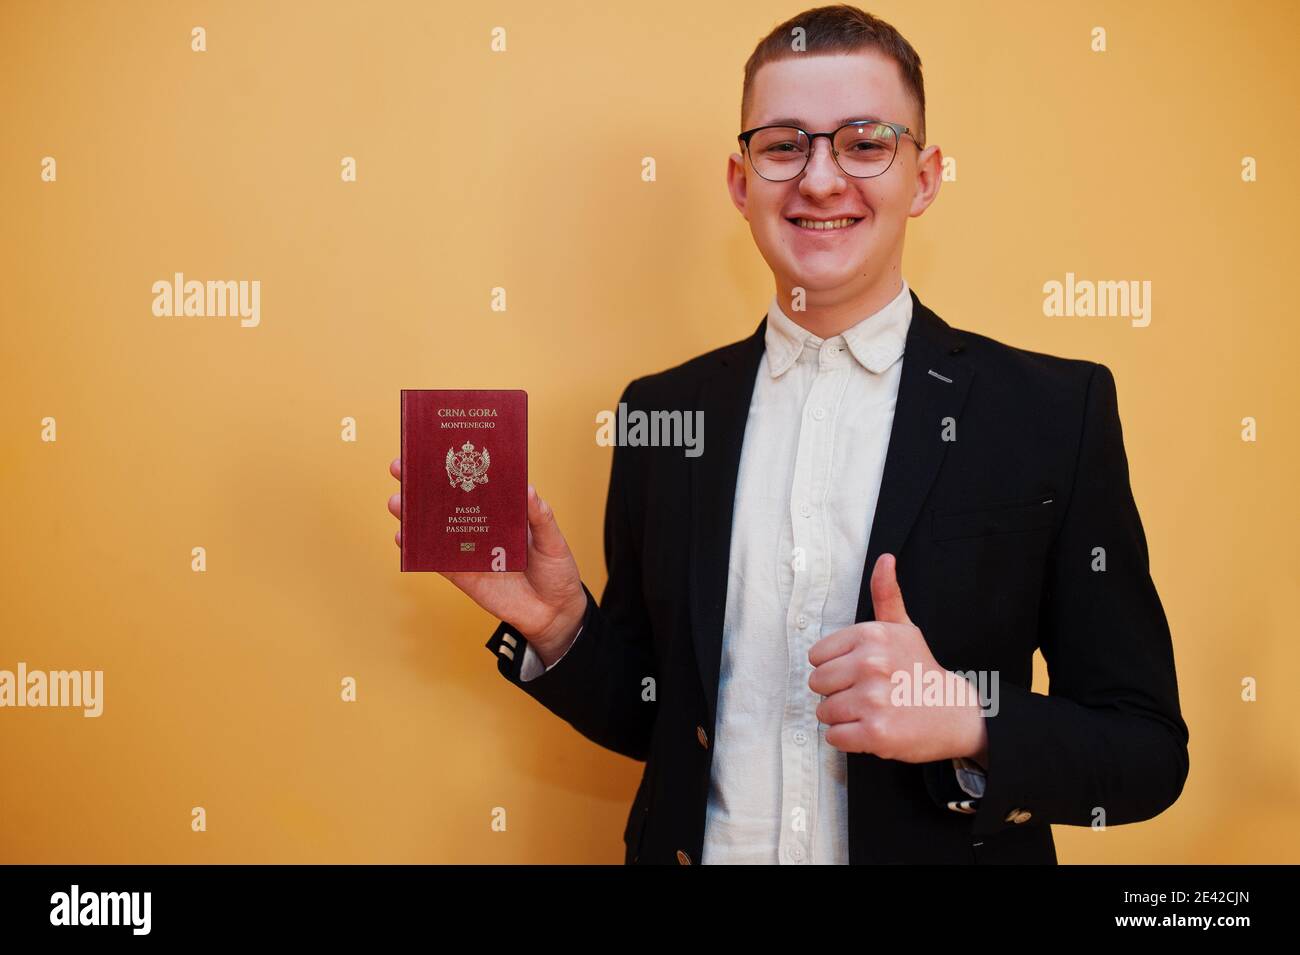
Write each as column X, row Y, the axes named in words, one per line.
column 810, row 469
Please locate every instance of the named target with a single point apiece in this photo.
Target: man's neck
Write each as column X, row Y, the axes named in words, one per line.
column 828, row 318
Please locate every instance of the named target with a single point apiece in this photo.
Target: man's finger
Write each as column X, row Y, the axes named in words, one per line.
column 546, row 536
column 395, row 468
column 834, row 645
column 395, row 505
column 833, row 675
column 886, row 597
column 837, row 708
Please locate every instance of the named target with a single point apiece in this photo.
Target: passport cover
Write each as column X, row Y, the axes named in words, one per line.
column 464, row 480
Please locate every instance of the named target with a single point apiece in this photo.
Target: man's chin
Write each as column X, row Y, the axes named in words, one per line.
column 809, row 276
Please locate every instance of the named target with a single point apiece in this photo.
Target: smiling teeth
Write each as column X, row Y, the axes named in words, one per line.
column 823, row 226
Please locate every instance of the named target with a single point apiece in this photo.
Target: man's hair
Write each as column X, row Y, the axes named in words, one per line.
column 839, row 29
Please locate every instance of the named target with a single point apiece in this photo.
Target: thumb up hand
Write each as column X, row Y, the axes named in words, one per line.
column 878, row 680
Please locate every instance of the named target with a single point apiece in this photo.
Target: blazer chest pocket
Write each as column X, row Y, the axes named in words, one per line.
column 1005, row 518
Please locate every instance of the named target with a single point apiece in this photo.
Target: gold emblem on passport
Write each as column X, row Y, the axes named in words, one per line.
column 467, row 469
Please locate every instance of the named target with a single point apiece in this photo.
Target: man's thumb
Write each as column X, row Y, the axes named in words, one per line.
column 886, row 597
column 546, row 536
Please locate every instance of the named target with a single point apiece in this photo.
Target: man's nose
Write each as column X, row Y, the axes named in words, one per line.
column 822, row 172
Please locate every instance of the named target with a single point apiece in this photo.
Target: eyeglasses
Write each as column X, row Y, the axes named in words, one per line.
column 862, row 150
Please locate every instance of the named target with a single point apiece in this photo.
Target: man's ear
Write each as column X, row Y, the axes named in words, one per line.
column 737, row 184
column 929, row 175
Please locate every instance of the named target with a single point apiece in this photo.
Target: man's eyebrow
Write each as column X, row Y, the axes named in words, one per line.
column 791, row 121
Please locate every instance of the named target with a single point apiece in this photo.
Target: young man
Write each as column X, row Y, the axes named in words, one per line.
column 889, row 513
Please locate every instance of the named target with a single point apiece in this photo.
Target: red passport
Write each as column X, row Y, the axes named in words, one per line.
column 464, row 480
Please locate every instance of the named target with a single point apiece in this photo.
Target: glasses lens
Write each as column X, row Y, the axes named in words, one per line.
column 778, row 152
column 867, row 149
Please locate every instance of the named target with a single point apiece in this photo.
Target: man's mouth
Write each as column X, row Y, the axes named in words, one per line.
column 824, row 225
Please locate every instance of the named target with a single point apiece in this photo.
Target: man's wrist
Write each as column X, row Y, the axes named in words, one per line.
column 979, row 751
column 568, row 623
column 973, row 742
column 548, row 655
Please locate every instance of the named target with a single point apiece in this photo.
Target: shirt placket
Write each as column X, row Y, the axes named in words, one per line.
column 800, row 736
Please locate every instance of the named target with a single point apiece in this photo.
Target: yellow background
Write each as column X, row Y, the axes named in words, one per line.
column 522, row 169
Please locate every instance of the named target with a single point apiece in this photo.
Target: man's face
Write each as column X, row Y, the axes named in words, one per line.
column 821, row 92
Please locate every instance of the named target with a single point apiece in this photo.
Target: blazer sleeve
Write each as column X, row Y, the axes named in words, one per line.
column 1108, row 741
column 604, row 685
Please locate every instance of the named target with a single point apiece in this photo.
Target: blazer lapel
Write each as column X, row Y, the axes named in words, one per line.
column 724, row 398
column 932, row 387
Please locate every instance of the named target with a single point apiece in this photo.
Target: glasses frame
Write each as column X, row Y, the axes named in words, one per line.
column 899, row 132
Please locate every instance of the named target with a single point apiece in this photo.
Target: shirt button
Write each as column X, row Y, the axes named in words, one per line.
column 702, row 736
column 796, row 853
column 819, row 413
column 805, row 509
column 682, row 857
column 800, row 737
column 802, row 621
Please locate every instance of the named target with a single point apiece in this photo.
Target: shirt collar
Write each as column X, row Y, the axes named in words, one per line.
column 876, row 341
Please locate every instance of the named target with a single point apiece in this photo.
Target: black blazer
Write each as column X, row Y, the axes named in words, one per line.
column 997, row 535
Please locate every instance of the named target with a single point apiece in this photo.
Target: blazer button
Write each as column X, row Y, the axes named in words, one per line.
column 683, row 858
column 702, row 736
column 1019, row 815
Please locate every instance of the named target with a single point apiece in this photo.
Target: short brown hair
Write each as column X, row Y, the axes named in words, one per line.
column 839, row 29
